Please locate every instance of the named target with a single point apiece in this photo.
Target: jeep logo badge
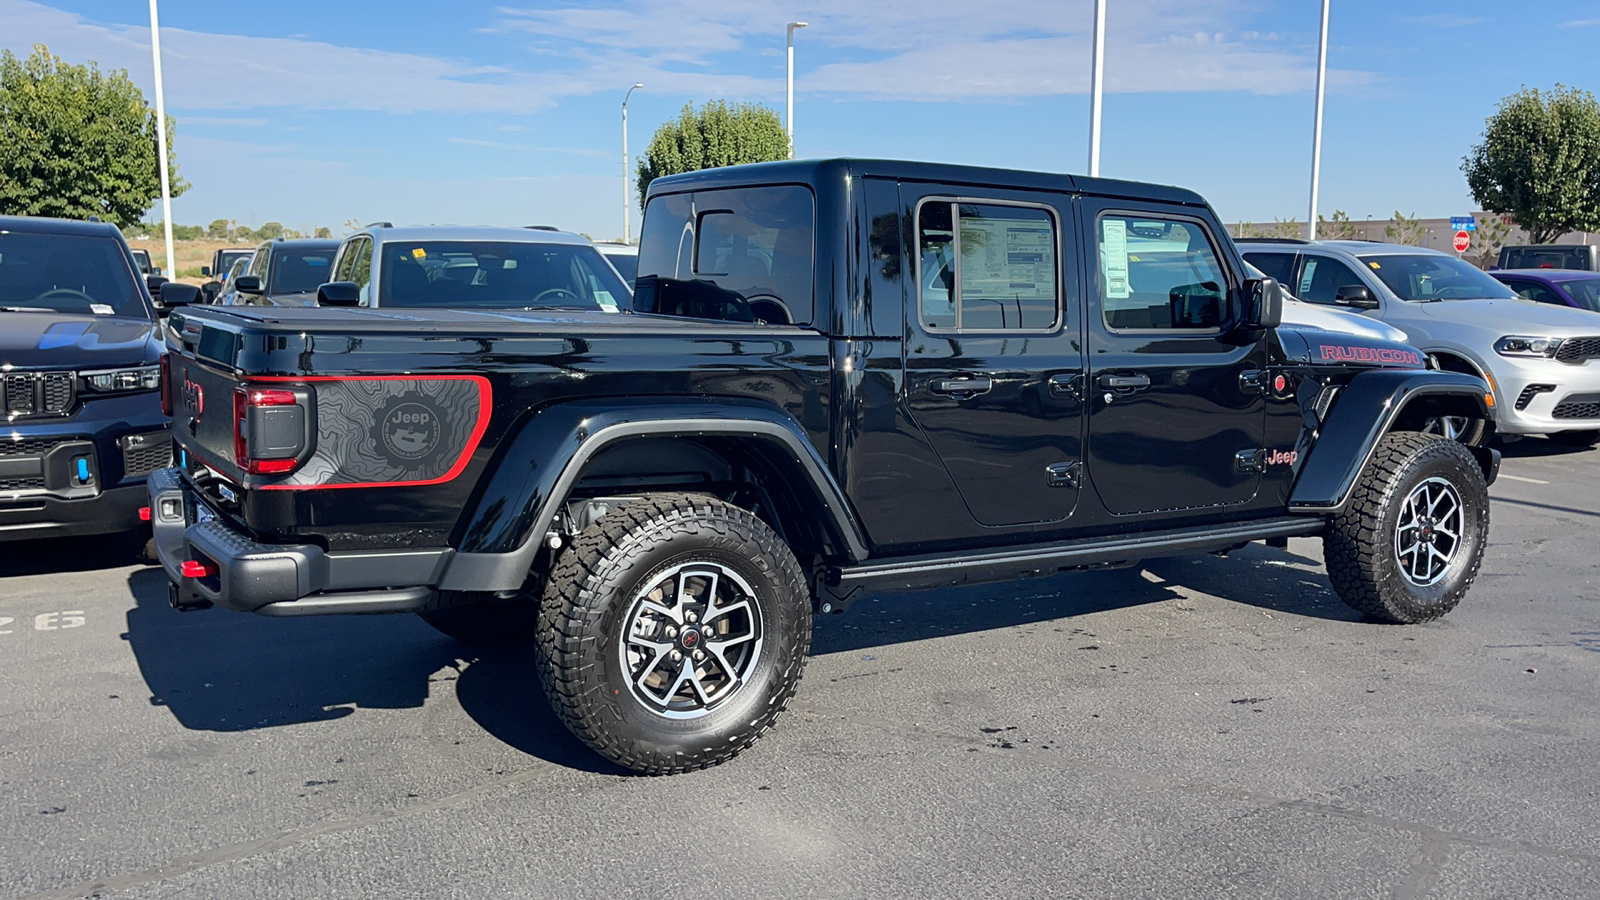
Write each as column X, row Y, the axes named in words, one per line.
column 407, row 432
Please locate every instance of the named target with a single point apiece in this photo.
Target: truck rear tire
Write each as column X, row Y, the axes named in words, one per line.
column 1410, row 542
column 673, row 632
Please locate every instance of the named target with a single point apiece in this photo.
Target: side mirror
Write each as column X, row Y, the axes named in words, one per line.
column 205, row 271
column 1355, row 296
column 248, row 284
column 1263, row 303
column 338, row 293
column 154, row 283
column 177, row 294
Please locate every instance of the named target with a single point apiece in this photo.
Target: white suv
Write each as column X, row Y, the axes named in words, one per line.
column 1542, row 361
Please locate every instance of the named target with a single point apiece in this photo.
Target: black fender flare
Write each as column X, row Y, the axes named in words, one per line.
column 536, row 471
column 1363, row 413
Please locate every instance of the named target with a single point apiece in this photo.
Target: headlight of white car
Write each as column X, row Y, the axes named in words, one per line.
column 1518, row 345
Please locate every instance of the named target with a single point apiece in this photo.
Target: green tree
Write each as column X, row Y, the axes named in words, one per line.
column 714, row 135
column 1284, row 228
column 244, row 234
column 217, row 230
column 269, row 231
column 1338, row 228
column 76, row 142
column 187, row 232
column 1405, row 229
column 1492, row 234
column 324, row 231
column 1540, row 162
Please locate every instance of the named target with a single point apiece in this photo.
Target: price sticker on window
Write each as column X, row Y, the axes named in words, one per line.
column 1114, row 258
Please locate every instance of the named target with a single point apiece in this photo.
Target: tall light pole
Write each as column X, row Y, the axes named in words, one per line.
column 161, row 138
column 1097, row 86
column 627, row 195
column 1316, row 130
column 788, row 114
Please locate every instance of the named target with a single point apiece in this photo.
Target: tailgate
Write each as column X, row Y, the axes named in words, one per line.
column 307, row 432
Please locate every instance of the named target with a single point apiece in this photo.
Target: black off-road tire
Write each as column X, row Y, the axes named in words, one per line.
column 596, row 581
column 486, row 621
column 1360, row 544
column 1576, row 438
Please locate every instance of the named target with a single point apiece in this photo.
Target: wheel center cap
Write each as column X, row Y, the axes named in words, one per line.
column 689, row 638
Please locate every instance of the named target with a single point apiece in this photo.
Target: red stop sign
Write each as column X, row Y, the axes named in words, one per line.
column 1463, row 241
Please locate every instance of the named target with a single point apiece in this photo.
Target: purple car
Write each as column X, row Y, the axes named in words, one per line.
column 1558, row 287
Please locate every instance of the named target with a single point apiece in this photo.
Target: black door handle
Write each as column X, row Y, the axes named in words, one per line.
column 1124, row 382
column 966, row 384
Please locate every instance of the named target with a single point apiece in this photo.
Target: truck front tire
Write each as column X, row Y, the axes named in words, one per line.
column 673, row 632
column 1409, row 543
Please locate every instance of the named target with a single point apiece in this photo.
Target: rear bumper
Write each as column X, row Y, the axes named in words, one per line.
column 243, row 574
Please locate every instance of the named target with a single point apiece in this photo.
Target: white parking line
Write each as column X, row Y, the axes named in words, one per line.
column 1520, row 478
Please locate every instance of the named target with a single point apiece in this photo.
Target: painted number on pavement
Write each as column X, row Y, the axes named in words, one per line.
column 50, row 621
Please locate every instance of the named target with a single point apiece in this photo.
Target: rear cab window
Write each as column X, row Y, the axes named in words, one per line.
column 987, row 266
column 734, row 254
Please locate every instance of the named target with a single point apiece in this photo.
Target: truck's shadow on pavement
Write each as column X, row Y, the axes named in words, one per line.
column 227, row 672
column 75, row 554
column 224, row 671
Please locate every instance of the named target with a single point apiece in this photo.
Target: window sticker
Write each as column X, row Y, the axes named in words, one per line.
column 1008, row 258
column 101, row 309
column 1374, row 265
column 605, row 300
column 1114, row 258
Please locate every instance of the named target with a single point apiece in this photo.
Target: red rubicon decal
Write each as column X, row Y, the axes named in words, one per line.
column 1281, row 457
column 1370, row 354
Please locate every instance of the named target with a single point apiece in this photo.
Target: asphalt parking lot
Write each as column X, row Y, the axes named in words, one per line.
column 1196, row 728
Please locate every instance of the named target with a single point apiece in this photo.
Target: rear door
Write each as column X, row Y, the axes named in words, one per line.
column 994, row 355
column 1176, row 416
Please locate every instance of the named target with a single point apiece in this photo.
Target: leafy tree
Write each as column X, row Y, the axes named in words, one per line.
column 1246, row 230
column 1338, row 228
column 1405, row 229
column 217, row 230
column 1540, row 162
column 1284, row 228
column 244, row 233
column 269, row 231
column 714, row 135
column 187, row 232
column 1492, row 234
column 76, row 142
column 324, row 231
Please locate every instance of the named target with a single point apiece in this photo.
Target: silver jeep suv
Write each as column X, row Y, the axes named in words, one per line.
column 1542, row 361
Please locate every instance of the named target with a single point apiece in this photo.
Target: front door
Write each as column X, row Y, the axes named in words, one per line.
column 1176, row 412
column 994, row 356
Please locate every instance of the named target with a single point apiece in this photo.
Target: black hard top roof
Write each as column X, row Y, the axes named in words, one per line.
column 815, row 171
column 45, row 225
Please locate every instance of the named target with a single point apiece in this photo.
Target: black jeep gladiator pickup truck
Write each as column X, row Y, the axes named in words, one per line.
column 836, row 376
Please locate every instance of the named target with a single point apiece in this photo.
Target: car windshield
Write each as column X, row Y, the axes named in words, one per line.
column 1586, row 291
column 626, row 263
column 498, row 275
column 68, row 273
column 1424, row 277
column 296, row 270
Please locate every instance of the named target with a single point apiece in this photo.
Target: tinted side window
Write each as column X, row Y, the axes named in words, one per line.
column 986, row 267
column 1321, row 278
column 1278, row 266
column 1536, row 292
column 1159, row 273
column 741, row 254
column 258, row 263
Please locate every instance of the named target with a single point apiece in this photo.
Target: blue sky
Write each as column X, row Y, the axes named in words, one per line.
column 508, row 113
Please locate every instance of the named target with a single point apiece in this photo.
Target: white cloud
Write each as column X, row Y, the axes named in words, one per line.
column 283, row 72
column 889, row 49
column 929, row 49
column 1580, row 23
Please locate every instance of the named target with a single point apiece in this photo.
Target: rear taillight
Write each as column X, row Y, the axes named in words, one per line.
column 269, row 430
column 166, row 386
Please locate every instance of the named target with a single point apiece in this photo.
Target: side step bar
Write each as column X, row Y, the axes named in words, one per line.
column 840, row 586
column 344, row 602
